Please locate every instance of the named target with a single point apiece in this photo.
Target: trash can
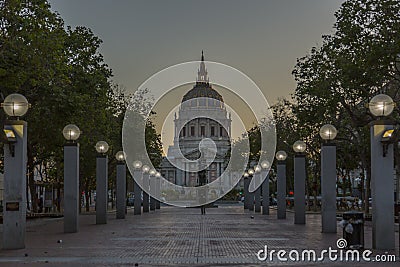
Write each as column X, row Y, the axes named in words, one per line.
column 353, row 230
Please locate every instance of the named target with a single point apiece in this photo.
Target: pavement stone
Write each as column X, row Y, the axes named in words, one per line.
column 225, row 236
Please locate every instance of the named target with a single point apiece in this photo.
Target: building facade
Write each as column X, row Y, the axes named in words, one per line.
column 202, row 114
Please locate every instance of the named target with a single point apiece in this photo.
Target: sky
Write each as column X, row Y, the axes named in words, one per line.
column 261, row 38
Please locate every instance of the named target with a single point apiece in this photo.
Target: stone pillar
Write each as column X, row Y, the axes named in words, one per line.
column 328, row 187
column 251, row 196
column 265, row 192
column 299, row 189
column 121, row 190
column 158, row 192
column 246, row 192
column 382, row 186
column 257, row 193
column 71, row 188
column 281, row 188
column 14, row 209
column 146, row 187
column 137, row 205
column 101, row 189
column 153, row 192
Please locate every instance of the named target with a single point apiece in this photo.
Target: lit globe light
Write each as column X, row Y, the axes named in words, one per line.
column 71, row 132
column 381, row 105
column 15, row 105
column 257, row 169
column 246, row 174
column 281, row 155
column 265, row 164
column 137, row 164
column 120, row 156
column 299, row 146
column 102, row 147
column 158, row 174
column 328, row 132
column 250, row 171
column 152, row 172
column 145, row 168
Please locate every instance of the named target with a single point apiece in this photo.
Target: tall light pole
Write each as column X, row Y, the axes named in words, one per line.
column 138, row 175
column 251, row 194
column 281, row 184
column 382, row 180
column 146, row 187
column 101, row 182
column 121, row 185
column 299, row 182
column 71, row 133
column 15, row 158
column 246, row 190
column 158, row 190
column 152, row 189
column 328, row 133
column 265, row 187
column 257, row 193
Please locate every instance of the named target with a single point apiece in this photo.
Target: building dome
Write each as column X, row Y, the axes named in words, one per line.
column 202, row 87
column 202, row 90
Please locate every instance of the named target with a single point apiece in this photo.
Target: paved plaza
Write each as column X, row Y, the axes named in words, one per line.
column 225, row 236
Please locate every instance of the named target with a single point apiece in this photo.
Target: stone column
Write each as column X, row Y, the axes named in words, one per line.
column 101, row 189
column 299, row 189
column 382, row 186
column 137, row 208
column 257, row 193
column 281, row 188
column 14, row 210
column 265, row 192
column 328, row 187
column 152, row 191
column 146, row 187
column 71, row 188
column 121, row 190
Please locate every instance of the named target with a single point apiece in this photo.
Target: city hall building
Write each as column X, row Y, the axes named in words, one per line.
column 202, row 114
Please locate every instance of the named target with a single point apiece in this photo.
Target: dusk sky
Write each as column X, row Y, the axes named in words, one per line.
column 262, row 39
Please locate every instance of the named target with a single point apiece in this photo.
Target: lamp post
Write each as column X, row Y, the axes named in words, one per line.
column 121, row 185
column 328, row 132
column 158, row 190
column 257, row 193
column 152, row 189
column 146, row 186
column 299, row 182
column 382, row 184
column 101, row 182
column 281, row 184
column 246, row 190
column 265, row 187
column 15, row 158
column 71, row 133
column 137, row 175
column 251, row 194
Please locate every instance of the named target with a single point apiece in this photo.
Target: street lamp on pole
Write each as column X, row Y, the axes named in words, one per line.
column 328, row 132
column 71, row 133
column 137, row 175
column 265, row 186
column 146, row 186
column 246, row 190
column 121, row 185
column 257, row 193
column 382, row 165
column 15, row 158
column 299, row 182
column 101, row 182
column 251, row 194
column 281, row 184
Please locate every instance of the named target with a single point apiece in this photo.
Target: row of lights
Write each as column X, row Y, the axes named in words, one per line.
column 146, row 169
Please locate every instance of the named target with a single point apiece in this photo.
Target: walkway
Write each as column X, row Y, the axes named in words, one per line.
column 225, row 236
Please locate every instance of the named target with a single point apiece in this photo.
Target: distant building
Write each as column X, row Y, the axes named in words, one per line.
column 202, row 114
